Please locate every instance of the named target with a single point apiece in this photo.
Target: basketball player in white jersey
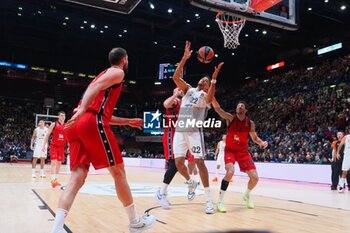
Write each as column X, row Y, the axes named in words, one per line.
column 346, row 161
column 36, row 145
column 194, row 106
column 219, row 156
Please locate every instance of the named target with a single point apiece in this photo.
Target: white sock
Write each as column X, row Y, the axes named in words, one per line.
column 342, row 182
column 164, row 188
column 222, row 195
column 33, row 170
column 59, row 220
column 131, row 212
column 197, row 178
column 192, row 177
column 247, row 192
column 207, row 193
column 217, row 172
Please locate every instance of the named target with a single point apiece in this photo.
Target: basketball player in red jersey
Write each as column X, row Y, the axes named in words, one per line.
column 172, row 106
column 91, row 141
column 236, row 149
column 57, row 145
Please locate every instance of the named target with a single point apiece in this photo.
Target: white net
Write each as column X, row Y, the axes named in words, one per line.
column 230, row 26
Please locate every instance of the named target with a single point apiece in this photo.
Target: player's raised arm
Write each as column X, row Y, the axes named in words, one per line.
column 255, row 137
column 172, row 100
column 225, row 115
column 177, row 78
column 211, row 91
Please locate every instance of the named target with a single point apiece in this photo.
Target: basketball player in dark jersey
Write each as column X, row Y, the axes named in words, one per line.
column 239, row 126
column 91, row 141
column 57, row 145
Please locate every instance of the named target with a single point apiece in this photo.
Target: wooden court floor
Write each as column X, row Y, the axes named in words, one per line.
column 27, row 205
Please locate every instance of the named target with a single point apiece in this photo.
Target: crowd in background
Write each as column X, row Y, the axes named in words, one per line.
column 298, row 112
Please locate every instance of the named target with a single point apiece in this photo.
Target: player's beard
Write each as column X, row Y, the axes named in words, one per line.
column 126, row 68
column 200, row 86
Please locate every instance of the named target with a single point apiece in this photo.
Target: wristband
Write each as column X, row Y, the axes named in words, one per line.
column 213, row 81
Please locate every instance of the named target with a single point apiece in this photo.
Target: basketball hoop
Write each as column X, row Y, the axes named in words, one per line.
column 230, row 27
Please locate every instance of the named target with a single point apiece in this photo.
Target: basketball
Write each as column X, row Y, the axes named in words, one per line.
column 205, row 54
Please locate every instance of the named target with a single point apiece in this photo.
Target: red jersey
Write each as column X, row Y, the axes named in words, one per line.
column 58, row 135
column 237, row 134
column 104, row 102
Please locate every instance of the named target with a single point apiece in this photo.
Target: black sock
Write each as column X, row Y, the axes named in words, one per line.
column 224, row 185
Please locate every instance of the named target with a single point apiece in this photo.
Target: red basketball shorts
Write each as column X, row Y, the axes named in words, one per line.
column 242, row 157
column 168, row 143
column 91, row 140
column 57, row 153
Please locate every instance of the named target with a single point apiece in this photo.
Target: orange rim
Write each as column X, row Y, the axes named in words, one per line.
column 228, row 22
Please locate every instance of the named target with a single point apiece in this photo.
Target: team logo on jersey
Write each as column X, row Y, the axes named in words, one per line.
column 152, row 122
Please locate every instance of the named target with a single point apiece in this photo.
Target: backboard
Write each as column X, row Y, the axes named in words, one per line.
column 119, row 6
column 284, row 14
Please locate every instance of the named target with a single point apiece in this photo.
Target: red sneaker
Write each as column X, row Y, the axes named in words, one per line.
column 54, row 184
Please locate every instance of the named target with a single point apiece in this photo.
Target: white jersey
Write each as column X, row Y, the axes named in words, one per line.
column 222, row 145
column 347, row 145
column 40, row 135
column 193, row 108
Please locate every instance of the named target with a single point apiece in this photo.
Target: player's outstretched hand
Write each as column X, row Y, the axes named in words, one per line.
column 75, row 118
column 216, row 70
column 265, row 144
column 188, row 51
column 136, row 123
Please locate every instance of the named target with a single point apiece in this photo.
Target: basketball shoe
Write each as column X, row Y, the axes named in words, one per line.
column 341, row 188
column 42, row 174
column 55, row 183
column 221, row 208
column 33, row 174
column 248, row 201
column 192, row 186
column 145, row 222
column 209, row 208
column 162, row 200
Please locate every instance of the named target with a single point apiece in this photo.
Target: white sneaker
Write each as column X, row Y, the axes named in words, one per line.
column 162, row 200
column 192, row 190
column 145, row 222
column 341, row 189
column 43, row 175
column 33, row 175
column 209, row 208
